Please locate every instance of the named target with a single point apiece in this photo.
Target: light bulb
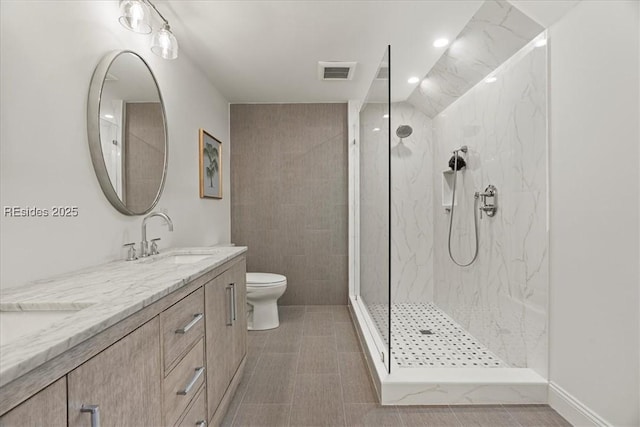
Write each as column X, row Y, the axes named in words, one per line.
column 164, row 43
column 135, row 16
column 413, row 80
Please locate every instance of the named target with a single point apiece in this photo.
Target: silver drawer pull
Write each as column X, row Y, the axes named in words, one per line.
column 201, row 423
column 229, row 305
column 194, row 380
column 233, row 301
column 196, row 318
column 95, row 414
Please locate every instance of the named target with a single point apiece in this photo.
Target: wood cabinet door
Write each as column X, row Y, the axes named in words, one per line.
column 218, row 330
column 47, row 408
column 239, row 340
column 123, row 380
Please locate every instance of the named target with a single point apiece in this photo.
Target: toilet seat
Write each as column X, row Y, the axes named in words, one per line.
column 265, row 280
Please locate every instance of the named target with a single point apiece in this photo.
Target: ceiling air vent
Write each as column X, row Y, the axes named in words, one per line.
column 331, row 70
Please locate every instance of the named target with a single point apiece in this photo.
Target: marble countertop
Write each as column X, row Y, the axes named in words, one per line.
column 102, row 295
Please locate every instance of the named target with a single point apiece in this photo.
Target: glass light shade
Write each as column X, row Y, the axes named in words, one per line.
column 135, row 16
column 164, row 43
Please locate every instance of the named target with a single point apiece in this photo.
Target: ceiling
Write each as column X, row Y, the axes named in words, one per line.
column 267, row 51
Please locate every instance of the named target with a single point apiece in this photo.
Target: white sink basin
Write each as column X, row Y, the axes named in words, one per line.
column 185, row 258
column 17, row 324
column 177, row 258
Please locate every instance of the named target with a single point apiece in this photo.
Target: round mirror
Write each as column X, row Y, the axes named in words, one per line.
column 127, row 132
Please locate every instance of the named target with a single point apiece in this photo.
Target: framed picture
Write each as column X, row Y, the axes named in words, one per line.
column 210, row 166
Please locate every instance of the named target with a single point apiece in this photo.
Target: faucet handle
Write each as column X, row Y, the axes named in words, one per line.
column 154, row 247
column 131, row 255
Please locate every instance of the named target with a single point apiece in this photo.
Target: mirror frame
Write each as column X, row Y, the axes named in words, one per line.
column 93, row 131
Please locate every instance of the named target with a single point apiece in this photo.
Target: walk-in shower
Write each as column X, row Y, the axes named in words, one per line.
column 449, row 285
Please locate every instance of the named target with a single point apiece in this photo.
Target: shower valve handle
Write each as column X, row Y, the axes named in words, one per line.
column 489, row 208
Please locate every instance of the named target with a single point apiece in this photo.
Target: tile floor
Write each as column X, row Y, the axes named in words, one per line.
column 447, row 344
column 310, row 372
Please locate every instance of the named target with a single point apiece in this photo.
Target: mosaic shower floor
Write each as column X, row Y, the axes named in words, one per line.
column 423, row 336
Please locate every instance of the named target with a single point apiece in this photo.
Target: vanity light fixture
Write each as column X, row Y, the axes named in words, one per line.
column 135, row 17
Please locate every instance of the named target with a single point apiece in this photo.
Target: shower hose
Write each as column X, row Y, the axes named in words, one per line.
column 475, row 216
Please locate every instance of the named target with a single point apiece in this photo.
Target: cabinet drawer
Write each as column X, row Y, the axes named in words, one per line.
column 197, row 414
column 182, row 326
column 183, row 383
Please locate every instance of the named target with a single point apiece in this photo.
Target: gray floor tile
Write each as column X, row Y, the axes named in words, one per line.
column 305, row 342
column 318, row 355
column 346, row 338
column 441, row 416
column 319, row 324
column 341, row 314
column 317, row 401
column 536, row 416
column 483, row 416
column 371, row 414
column 356, row 384
column 273, row 379
column 267, row 415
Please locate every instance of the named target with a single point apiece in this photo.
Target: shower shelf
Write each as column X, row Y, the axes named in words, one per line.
column 447, row 190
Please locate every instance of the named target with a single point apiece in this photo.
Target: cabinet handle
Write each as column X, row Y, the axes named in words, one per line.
column 229, row 306
column 233, row 299
column 194, row 380
column 196, row 318
column 95, row 414
column 201, row 423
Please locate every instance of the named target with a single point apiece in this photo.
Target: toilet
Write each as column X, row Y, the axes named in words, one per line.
column 263, row 291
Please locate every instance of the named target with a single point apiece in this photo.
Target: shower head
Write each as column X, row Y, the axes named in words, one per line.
column 464, row 149
column 404, row 131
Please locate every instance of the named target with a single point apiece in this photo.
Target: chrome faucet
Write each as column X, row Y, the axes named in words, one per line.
column 144, row 245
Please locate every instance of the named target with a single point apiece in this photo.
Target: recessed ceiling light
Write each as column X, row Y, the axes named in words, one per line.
column 413, row 80
column 441, row 42
column 491, row 79
column 541, row 42
column 386, row 116
column 376, row 129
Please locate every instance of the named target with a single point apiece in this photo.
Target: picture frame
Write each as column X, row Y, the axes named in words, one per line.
column 210, row 149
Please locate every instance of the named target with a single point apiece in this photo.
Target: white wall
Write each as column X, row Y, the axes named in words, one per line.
column 49, row 51
column 594, row 210
column 412, row 198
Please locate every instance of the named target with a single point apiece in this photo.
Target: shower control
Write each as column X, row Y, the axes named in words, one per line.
column 488, row 200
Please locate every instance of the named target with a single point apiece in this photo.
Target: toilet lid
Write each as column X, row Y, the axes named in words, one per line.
column 265, row 279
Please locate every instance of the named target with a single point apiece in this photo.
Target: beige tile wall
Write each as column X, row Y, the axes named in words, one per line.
column 144, row 154
column 289, row 196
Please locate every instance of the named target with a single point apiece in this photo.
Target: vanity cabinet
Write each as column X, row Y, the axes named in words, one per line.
column 46, row 408
column 176, row 362
column 226, row 331
column 123, row 381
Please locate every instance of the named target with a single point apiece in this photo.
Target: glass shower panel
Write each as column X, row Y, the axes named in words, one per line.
column 375, row 205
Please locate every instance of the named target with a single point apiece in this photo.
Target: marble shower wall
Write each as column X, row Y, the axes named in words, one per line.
column 501, row 299
column 495, row 33
column 374, row 205
column 411, row 206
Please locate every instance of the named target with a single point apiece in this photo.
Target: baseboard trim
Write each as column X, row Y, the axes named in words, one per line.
column 572, row 409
